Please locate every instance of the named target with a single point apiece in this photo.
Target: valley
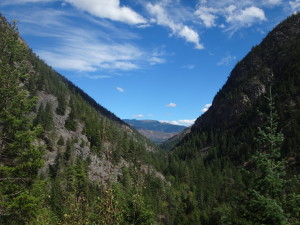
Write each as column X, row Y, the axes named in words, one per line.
column 65, row 159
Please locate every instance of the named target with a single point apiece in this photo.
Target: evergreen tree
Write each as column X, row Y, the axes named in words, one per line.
column 267, row 198
column 20, row 155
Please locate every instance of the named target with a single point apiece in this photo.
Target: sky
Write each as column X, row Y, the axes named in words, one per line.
column 147, row 59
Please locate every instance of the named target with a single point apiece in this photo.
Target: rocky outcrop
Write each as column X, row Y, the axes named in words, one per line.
column 262, row 68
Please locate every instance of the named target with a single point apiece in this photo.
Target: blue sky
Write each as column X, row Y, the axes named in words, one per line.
column 163, row 60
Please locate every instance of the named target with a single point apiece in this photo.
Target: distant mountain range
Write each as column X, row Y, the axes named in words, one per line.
column 156, row 131
column 66, row 159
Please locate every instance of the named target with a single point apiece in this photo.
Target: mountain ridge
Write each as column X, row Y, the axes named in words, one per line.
column 98, row 170
column 286, row 33
column 154, row 130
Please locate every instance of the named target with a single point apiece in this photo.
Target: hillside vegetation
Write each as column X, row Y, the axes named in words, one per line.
column 64, row 159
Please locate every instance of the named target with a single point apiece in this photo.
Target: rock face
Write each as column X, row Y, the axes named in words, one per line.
column 266, row 65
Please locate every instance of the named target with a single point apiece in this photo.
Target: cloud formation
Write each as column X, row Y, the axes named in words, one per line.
column 120, row 89
column 206, row 107
column 243, row 18
column 82, row 49
column 233, row 15
column 10, row 2
column 171, row 104
column 207, row 16
column 138, row 116
column 109, row 9
column 295, row 5
column 189, row 67
column 162, row 18
column 227, row 60
column 184, row 122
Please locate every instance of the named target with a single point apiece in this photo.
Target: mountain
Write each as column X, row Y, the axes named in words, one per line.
column 242, row 154
column 272, row 65
column 63, row 157
column 155, row 131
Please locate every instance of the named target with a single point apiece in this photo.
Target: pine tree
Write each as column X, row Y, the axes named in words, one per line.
column 20, row 155
column 266, row 200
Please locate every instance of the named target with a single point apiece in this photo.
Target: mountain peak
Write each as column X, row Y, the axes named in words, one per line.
column 264, row 66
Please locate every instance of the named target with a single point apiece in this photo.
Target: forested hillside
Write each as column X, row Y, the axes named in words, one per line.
column 241, row 159
column 64, row 159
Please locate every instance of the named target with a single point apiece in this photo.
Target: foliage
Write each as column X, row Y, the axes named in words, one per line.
column 20, row 154
column 199, row 181
column 265, row 198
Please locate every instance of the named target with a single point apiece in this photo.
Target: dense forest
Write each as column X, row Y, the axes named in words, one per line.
column 64, row 159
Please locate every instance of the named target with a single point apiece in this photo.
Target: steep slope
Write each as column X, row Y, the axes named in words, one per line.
column 241, row 160
column 275, row 62
column 63, row 157
column 155, row 131
column 272, row 64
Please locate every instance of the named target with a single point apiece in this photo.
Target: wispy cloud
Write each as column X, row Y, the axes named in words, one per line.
column 206, row 107
column 171, row 104
column 161, row 17
column 156, row 60
column 158, row 56
column 138, row 116
column 81, row 48
column 96, row 77
column 187, row 122
column 109, row 9
column 120, row 89
column 295, row 5
column 207, row 16
column 243, row 18
column 190, row 67
column 227, row 60
column 15, row 2
column 142, row 115
column 184, row 122
column 233, row 15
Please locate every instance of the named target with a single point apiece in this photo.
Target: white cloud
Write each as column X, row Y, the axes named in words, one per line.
column 157, row 56
column 222, row 4
column 121, row 65
column 81, row 49
column 109, row 9
column 207, row 16
column 184, row 122
column 190, row 36
column 15, row 2
column 227, row 60
column 82, row 54
column 187, row 122
column 206, row 107
column 236, row 13
column 120, row 89
column 190, row 67
column 245, row 17
column 272, row 2
column 138, row 116
column 174, row 122
column 156, row 60
column 295, row 5
column 96, row 77
column 162, row 18
column 171, row 104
